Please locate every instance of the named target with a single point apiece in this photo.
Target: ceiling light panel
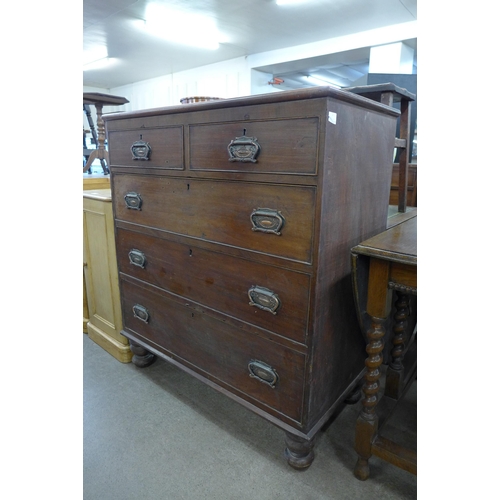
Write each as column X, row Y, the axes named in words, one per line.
column 186, row 27
column 290, row 2
column 321, row 81
column 94, row 54
column 100, row 63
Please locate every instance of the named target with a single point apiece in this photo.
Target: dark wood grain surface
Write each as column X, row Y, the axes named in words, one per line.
column 398, row 244
column 323, row 172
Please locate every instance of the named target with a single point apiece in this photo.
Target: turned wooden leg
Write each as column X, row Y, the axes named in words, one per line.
column 395, row 370
column 141, row 356
column 299, row 451
column 367, row 422
column 355, row 395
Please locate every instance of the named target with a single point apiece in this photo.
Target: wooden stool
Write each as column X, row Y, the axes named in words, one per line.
column 100, row 100
column 388, row 93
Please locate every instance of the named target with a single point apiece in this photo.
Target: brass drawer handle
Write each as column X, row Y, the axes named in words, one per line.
column 244, row 149
column 140, row 150
column 263, row 373
column 137, row 258
column 140, row 312
column 133, row 201
column 267, row 220
column 264, row 299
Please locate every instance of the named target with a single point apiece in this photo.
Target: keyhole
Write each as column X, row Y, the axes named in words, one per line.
column 190, row 253
column 188, row 187
column 140, row 137
column 244, row 131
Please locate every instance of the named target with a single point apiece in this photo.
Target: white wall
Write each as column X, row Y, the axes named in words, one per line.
column 224, row 79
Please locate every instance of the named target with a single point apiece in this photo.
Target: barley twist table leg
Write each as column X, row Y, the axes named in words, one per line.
column 395, row 371
column 367, row 422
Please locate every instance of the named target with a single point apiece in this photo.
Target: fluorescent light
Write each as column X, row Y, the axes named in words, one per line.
column 184, row 27
column 94, row 54
column 315, row 80
column 97, row 58
column 99, row 63
column 290, row 2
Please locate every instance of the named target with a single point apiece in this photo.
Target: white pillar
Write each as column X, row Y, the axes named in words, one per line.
column 396, row 58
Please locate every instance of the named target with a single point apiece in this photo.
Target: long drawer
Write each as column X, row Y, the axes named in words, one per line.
column 268, row 218
column 253, row 368
column 270, row 297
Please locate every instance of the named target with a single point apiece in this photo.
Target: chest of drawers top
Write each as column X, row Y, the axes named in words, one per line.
column 273, row 137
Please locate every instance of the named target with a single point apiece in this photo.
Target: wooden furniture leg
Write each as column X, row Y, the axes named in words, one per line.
column 299, row 452
column 367, row 422
column 99, row 153
column 378, row 308
column 100, row 100
column 141, row 356
column 404, row 154
column 394, row 382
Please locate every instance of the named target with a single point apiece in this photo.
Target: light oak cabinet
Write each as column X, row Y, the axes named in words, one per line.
column 95, row 181
column 101, row 291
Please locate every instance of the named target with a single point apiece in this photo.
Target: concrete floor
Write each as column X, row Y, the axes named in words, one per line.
column 157, row 433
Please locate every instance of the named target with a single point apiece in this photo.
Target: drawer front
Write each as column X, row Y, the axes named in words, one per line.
column 256, row 369
column 160, row 148
column 273, row 219
column 283, row 146
column 269, row 297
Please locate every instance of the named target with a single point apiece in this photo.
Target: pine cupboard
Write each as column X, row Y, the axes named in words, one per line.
column 102, row 308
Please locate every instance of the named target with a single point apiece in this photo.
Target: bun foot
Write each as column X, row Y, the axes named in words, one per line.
column 355, row 395
column 141, row 356
column 299, row 452
column 362, row 469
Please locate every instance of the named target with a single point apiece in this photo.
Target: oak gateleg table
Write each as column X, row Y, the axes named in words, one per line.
column 382, row 264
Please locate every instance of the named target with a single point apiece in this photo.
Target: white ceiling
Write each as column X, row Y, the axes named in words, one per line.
column 248, row 26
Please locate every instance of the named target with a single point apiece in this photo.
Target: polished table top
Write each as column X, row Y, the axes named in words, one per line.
column 397, row 244
column 103, row 99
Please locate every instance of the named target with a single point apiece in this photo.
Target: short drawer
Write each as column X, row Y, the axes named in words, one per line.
column 282, row 146
column 160, row 148
column 266, row 296
column 251, row 367
column 268, row 218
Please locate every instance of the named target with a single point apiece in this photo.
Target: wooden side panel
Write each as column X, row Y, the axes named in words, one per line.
column 101, row 270
column 354, row 189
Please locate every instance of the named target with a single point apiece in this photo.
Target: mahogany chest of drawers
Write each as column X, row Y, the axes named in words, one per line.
column 234, row 221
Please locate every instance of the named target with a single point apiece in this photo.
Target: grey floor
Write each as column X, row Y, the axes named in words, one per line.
column 157, row 433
